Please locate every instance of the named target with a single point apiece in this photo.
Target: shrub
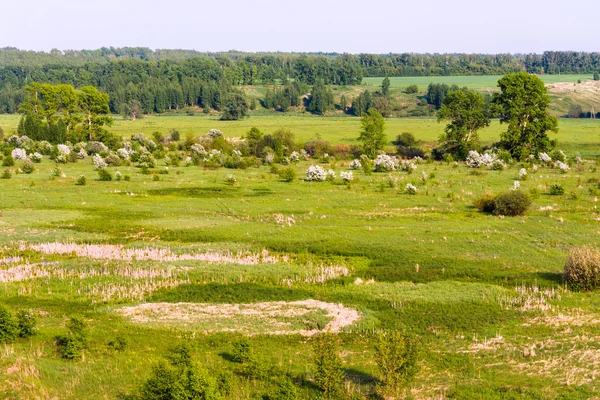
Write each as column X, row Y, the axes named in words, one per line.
column 230, row 180
column 241, row 351
column 104, row 175
column 287, row 174
column 556, row 189
column 396, row 357
column 26, row 323
column 329, row 375
column 81, row 181
column 8, row 161
column 6, row 174
column 316, row 173
column 71, row 345
column 411, row 89
column 286, row 390
column 410, row 189
column 28, row 166
column 411, row 152
column 485, row 203
column 582, row 267
column 8, row 326
column 119, row 343
column 155, row 178
column 513, row 202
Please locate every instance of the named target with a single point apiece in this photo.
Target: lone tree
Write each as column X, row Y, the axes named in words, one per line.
column 523, row 105
column 385, row 86
column 235, row 107
column 467, row 114
column 372, row 133
column 321, row 98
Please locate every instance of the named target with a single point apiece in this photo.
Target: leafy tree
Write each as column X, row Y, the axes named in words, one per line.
column 235, row 107
column 329, row 375
column 396, row 357
column 132, row 109
column 94, row 106
column 465, row 109
column 596, row 76
column 362, row 103
column 523, row 104
column 385, row 86
column 9, row 328
column 575, row 111
column 436, row 93
column 321, row 98
column 372, row 133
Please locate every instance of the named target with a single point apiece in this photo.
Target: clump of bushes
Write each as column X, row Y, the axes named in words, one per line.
column 71, row 345
column 556, row 189
column 24, row 325
column 511, row 203
column 582, row 268
column 287, row 174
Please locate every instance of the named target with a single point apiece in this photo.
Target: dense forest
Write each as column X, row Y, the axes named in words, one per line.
column 171, row 79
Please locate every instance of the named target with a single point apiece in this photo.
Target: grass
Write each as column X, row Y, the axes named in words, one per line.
column 428, row 264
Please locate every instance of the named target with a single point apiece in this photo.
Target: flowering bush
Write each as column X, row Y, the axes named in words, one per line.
column 213, row 133
column 146, row 160
column 385, row 163
column 36, row 157
column 199, row 150
column 187, row 162
column 315, row 173
column 45, row 147
column 61, row 159
column 295, row 156
column 330, row 174
column 144, row 141
column 355, row 164
column 545, row 158
column 523, row 174
column 304, row 155
column 410, row 188
column 562, row 167
column 123, row 153
column 63, row 149
column 270, row 158
column 476, row 160
column 96, row 147
column 98, row 162
column 81, row 154
column 230, row 180
column 347, row 176
column 118, row 175
column 498, row 165
column 408, row 166
column 516, row 185
column 18, row 154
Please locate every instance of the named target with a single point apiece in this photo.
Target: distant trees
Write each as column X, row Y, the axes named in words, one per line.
column 372, row 133
column 320, row 100
column 466, row 112
column 235, row 107
column 522, row 104
column 283, row 97
column 58, row 113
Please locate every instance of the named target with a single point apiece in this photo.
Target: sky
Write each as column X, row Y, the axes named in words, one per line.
column 374, row 26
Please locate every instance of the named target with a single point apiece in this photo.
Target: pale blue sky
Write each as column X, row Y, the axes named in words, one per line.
column 375, row 26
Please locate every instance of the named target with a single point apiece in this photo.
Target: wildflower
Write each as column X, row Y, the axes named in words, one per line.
column 188, row 161
column 534, row 168
column 523, row 173
column 315, row 173
column 516, row 185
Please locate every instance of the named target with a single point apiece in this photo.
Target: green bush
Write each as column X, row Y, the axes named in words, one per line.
column 9, row 328
column 287, row 174
column 513, row 202
column 329, row 375
column 556, row 189
column 241, row 352
column 286, row 390
column 28, row 166
column 6, row 174
column 582, row 268
column 104, row 175
column 396, row 357
column 8, row 161
column 71, row 345
column 81, row 181
column 485, row 203
column 411, row 89
column 27, row 323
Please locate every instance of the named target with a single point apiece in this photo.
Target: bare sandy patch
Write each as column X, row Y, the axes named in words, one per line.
column 274, row 318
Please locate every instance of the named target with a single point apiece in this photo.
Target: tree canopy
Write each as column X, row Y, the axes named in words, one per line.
column 372, row 133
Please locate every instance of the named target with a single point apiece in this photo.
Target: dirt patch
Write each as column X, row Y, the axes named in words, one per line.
column 306, row 317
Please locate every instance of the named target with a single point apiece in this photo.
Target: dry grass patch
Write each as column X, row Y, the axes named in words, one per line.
column 306, row 317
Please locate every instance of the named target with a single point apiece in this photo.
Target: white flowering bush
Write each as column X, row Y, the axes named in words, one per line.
column 562, row 167
column 118, row 175
column 187, row 162
column 270, row 158
column 13, row 140
column 523, row 174
column 147, row 161
column 81, row 154
column 545, row 158
column 99, row 162
column 534, row 168
column 124, row 153
column 516, row 185
column 347, row 176
column 45, row 147
column 304, row 155
column 476, row 160
column 96, row 147
column 18, row 154
column 199, row 150
column 408, row 166
column 295, row 156
column 410, row 188
column 330, row 174
column 385, row 163
column 36, row 157
column 237, row 153
column 144, row 141
column 355, row 164
column 61, row 159
column 498, row 165
column 213, row 133
column 316, row 173
column 63, row 149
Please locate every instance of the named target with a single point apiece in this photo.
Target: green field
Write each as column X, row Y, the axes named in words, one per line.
column 472, row 82
column 482, row 294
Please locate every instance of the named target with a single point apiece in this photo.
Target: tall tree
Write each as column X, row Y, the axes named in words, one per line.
column 95, row 110
column 235, row 106
column 465, row 109
column 321, row 98
column 372, row 133
column 385, row 86
column 523, row 104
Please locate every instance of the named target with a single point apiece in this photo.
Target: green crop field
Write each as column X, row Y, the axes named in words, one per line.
column 205, row 255
column 476, row 82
